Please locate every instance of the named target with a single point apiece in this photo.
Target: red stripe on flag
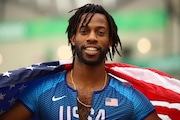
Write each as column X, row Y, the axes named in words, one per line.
column 174, row 114
column 157, row 92
column 148, row 86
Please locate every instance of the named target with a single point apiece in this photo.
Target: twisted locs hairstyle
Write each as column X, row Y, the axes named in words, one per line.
column 91, row 9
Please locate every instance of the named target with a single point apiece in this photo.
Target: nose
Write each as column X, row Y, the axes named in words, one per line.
column 92, row 37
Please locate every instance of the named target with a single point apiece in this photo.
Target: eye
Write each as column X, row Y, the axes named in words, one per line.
column 83, row 31
column 100, row 32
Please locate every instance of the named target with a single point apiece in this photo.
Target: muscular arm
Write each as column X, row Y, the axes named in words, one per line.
column 17, row 112
column 153, row 116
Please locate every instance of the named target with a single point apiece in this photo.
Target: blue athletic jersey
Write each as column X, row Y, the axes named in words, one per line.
column 51, row 98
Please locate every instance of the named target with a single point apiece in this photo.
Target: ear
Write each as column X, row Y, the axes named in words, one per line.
column 73, row 40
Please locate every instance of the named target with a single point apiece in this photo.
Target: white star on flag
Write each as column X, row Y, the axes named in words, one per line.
column 7, row 74
column 11, row 86
column 30, row 67
column 22, row 87
column 2, row 96
column 144, row 79
column 12, row 101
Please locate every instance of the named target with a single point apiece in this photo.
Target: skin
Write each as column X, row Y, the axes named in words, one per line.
column 91, row 44
column 95, row 36
column 91, row 37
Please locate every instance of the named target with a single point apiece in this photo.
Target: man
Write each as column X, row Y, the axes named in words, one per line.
column 86, row 91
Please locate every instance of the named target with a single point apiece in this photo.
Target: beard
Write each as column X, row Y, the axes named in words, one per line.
column 100, row 58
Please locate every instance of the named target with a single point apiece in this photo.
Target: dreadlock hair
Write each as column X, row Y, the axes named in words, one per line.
column 91, row 9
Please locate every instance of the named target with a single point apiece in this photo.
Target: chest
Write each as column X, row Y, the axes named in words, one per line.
column 84, row 100
column 62, row 104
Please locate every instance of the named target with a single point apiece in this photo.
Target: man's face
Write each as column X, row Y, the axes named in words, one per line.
column 92, row 41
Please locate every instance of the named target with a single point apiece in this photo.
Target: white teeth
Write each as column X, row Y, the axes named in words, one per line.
column 91, row 48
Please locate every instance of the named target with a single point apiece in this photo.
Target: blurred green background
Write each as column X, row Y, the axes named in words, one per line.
column 33, row 31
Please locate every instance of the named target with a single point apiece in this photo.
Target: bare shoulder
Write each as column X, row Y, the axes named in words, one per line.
column 17, row 112
column 153, row 116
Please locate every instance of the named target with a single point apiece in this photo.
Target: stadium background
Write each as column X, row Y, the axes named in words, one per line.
column 33, row 31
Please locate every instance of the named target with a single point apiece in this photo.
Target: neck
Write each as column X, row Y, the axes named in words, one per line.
column 90, row 75
column 74, row 85
column 77, row 64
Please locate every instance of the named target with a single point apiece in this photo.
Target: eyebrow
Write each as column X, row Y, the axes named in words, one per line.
column 99, row 27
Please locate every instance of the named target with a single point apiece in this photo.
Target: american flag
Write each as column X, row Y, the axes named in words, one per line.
column 111, row 102
column 161, row 89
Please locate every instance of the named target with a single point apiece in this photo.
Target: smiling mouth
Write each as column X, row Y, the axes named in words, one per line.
column 91, row 49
